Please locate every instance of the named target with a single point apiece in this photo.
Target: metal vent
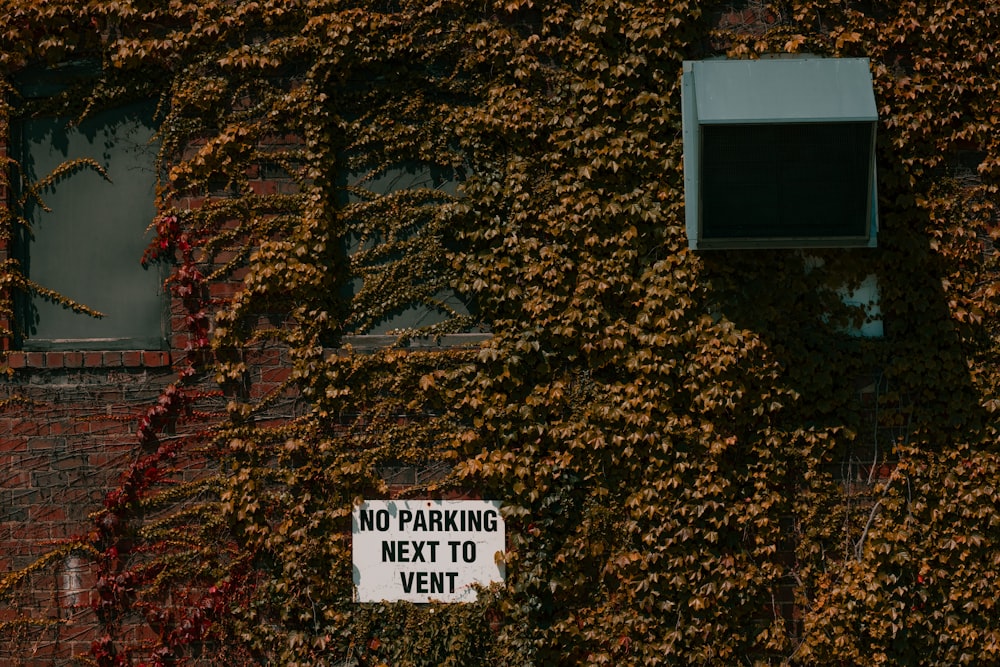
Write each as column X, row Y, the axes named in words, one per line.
column 779, row 153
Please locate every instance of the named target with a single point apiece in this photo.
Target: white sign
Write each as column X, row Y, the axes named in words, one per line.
column 426, row 550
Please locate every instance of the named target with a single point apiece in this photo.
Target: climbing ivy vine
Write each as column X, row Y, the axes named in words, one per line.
column 698, row 465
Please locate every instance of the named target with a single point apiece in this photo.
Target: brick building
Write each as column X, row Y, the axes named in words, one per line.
column 708, row 455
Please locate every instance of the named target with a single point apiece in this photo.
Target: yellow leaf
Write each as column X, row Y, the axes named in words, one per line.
column 846, row 37
column 793, row 44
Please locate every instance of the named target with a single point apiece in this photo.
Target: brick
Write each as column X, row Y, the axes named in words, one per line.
column 155, row 358
column 67, row 463
column 16, row 514
column 264, row 187
column 270, row 357
column 47, row 445
column 49, row 513
column 73, row 359
column 10, row 444
column 132, row 359
column 56, row 428
column 275, row 375
column 53, row 359
column 16, row 479
column 222, row 290
column 21, row 426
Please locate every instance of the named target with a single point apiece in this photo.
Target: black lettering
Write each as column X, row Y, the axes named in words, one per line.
column 428, row 583
column 404, row 518
column 475, row 521
column 422, row 582
column 469, row 552
column 410, row 551
column 420, row 521
column 449, row 520
column 434, row 520
column 372, row 520
column 490, row 523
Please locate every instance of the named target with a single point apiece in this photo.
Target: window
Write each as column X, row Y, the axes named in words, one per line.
column 390, row 252
column 88, row 231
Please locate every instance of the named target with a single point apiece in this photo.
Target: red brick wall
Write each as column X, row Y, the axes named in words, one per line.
column 66, row 436
column 68, row 432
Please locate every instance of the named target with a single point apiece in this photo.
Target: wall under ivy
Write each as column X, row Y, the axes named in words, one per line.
column 697, row 465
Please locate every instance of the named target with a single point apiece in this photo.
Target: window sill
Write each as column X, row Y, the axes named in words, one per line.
column 115, row 359
column 372, row 342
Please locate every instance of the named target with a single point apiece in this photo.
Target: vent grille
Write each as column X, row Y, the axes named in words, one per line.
column 790, row 180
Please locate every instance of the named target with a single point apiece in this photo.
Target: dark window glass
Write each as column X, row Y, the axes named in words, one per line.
column 88, row 231
column 376, row 257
